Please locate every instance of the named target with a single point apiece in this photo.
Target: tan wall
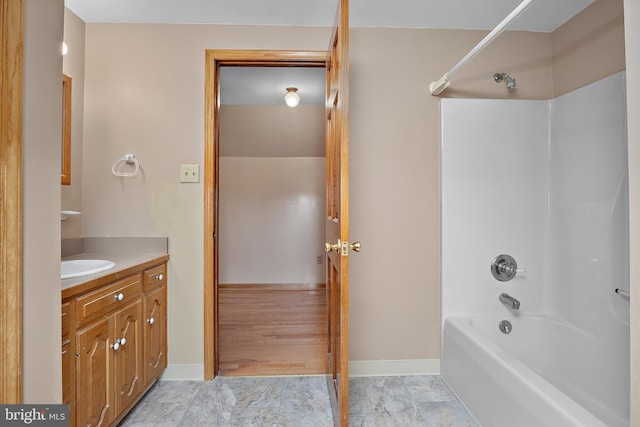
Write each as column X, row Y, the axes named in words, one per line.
column 632, row 15
column 589, row 47
column 395, row 172
column 144, row 95
column 73, row 66
column 272, row 218
column 272, row 192
column 272, row 131
column 526, row 56
column 395, row 163
column 42, row 136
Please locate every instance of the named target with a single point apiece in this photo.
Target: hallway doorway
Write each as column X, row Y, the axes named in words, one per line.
column 271, row 311
column 337, row 246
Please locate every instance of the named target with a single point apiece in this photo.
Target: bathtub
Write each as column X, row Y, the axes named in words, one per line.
column 544, row 373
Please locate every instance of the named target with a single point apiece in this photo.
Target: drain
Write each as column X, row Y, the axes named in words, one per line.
column 505, row 326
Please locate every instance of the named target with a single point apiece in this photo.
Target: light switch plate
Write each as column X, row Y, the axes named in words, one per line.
column 189, row 173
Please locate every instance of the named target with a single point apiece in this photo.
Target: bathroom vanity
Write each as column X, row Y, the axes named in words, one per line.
column 114, row 337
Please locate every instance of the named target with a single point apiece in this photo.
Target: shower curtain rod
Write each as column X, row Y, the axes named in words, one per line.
column 438, row 86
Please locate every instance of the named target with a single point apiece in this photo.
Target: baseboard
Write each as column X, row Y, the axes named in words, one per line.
column 272, row 286
column 380, row 368
column 357, row 368
column 180, row 372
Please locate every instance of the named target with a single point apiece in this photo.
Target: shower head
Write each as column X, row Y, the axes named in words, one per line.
column 511, row 82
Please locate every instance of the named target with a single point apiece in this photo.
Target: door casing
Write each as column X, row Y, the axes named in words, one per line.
column 214, row 60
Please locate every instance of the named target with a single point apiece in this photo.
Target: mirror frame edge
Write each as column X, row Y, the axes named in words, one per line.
column 65, row 173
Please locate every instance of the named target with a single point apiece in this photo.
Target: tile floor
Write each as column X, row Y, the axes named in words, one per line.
column 299, row 402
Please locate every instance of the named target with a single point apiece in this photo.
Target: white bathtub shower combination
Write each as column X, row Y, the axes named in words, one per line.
column 545, row 182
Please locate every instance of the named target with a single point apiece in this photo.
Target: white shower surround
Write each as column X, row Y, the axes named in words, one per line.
column 546, row 182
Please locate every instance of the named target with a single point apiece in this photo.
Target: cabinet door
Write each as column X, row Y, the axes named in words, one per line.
column 93, row 372
column 155, row 334
column 67, row 375
column 128, row 356
column 68, row 362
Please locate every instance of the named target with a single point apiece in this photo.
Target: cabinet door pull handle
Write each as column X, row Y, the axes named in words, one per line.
column 119, row 296
column 150, row 320
column 119, row 343
column 159, row 277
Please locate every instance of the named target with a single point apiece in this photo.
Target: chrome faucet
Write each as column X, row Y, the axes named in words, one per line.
column 509, row 300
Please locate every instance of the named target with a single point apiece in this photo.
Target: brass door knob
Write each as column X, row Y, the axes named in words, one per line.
column 355, row 246
column 328, row 247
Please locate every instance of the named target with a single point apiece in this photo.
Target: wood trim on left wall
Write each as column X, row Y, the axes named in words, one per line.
column 11, row 80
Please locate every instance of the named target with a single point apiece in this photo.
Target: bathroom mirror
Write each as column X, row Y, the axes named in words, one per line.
column 65, row 171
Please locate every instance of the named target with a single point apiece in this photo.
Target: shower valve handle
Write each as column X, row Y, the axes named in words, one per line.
column 504, row 268
column 509, row 269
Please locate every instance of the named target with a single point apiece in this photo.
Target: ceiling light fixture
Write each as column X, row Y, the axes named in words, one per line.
column 292, row 98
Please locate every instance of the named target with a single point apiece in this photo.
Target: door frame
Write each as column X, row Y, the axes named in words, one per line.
column 11, row 76
column 214, row 59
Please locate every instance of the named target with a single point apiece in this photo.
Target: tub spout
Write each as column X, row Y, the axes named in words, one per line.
column 509, row 300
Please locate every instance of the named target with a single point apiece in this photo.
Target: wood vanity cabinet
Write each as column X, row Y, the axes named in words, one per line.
column 120, row 346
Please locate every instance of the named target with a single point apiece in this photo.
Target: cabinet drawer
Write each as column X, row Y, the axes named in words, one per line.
column 155, row 277
column 99, row 302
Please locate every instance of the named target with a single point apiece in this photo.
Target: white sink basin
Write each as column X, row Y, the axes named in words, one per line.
column 84, row 267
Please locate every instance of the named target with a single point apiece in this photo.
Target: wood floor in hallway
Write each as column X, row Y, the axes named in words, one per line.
column 272, row 329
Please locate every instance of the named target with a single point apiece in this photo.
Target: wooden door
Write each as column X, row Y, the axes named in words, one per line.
column 128, row 356
column 337, row 223
column 155, row 357
column 93, row 373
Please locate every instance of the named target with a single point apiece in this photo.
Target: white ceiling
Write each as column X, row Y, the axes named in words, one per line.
column 253, row 85
column 542, row 15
